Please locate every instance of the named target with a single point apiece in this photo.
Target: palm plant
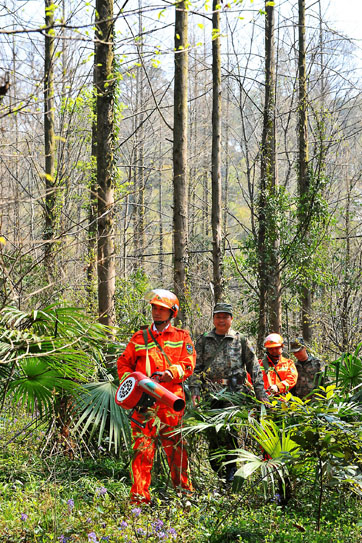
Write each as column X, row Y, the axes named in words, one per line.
column 55, row 353
column 329, row 434
column 348, row 369
column 277, row 450
column 270, row 448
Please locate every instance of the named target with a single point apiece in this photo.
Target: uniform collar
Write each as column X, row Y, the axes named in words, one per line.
column 305, row 362
column 155, row 331
column 272, row 363
column 231, row 333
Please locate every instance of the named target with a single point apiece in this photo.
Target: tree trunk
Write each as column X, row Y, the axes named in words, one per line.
column 180, row 212
column 160, row 211
column 346, row 289
column 135, row 172
column 270, row 312
column 49, row 138
column 105, row 181
column 93, row 206
column 227, row 157
column 303, row 172
column 138, row 168
column 215, row 154
column 141, row 152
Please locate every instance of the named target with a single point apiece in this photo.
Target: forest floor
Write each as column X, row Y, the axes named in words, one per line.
column 55, row 498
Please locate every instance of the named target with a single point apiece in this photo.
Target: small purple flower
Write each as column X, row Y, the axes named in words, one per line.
column 88, row 520
column 102, row 491
column 70, row 505
column 63, row 539
column 24, row 517
column 157, row 525
column 161, row 535
column 172, row 532
column 141, row 532
column 123, row 525
column 92, row 537
column 136, row 511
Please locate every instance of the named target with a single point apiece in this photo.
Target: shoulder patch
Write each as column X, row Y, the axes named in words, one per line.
column 189, row 348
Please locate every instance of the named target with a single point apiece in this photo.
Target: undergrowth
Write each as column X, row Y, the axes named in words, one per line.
column 55, row 498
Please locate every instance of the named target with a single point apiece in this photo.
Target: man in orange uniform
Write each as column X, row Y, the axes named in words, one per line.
column 279, row 373
column 170, row 352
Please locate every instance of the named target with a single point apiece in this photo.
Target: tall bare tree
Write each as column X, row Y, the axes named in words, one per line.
column 93, row 202
column 139, row 172
column 268, row 238
column 104, row 84
column 303, row 169
column 180, row 196
column 216, row 153
column 49, row 138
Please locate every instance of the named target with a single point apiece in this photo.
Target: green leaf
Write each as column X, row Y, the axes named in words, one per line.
column 97, row 408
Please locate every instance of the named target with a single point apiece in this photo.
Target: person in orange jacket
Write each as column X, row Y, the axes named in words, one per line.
column 279, row 373
column 169, row 351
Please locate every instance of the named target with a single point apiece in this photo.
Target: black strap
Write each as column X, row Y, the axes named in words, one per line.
column 272, row 366
column 145, row 337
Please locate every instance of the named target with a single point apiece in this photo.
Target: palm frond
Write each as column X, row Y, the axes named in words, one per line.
column 64, row 337
column 36, row 384
column 250, row 463
column 98, row 409
column 274, row 441
column 51, row 350
column 269, row 468
column 12, row 317
column 348, row 369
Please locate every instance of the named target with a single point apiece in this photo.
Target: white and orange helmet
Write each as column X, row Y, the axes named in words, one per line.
column 273, row 340
column 164, row 298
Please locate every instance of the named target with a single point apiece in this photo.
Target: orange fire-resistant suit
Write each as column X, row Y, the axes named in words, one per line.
column 161, row 421
column 284, row 374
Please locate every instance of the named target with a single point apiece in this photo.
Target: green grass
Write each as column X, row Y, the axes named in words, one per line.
column 53, row 498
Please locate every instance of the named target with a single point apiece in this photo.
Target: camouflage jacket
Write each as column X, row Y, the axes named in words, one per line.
column 215, row 363
column 310, row 376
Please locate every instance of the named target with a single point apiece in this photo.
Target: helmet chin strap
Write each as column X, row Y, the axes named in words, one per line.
column 157, row 323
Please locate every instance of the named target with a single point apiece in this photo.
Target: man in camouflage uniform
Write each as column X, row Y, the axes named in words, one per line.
column 224, row 357
column 310, row 370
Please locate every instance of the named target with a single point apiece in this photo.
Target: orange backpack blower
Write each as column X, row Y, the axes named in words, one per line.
column 131, row 390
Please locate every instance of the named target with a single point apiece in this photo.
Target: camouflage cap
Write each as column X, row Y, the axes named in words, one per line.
column 223, row 308
column 297, row 345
